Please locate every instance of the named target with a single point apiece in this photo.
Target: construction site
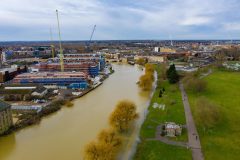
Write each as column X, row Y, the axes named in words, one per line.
column 70, row 79
column 90, row 64
column 74, row 71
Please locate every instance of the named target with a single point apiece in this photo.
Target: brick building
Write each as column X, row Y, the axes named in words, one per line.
column 5, row 117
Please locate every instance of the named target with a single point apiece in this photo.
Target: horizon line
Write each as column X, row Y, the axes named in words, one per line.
column 2, row 41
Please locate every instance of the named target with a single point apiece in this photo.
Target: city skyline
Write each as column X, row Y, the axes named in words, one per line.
column 121, row 20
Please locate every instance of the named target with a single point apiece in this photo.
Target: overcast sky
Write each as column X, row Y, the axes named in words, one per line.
column 120, row 19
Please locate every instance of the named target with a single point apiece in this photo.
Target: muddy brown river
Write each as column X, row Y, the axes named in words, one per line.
column 63, row 135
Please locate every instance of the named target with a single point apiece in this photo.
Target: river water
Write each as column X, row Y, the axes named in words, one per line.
column 63, row 135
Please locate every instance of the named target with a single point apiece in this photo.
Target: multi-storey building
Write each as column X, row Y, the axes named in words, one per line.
column 90, row 64
column 5, row 117
column 68, row 79
column 89, row 68
column 9, row 73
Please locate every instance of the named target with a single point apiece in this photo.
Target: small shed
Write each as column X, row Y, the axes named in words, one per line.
column 40, row 91
column 172, row 129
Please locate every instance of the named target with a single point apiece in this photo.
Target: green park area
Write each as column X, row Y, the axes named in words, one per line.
column 155, row 150
column 172, row 112
column 219, row 135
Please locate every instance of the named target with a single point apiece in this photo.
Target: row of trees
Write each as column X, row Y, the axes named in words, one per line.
column 146, row 80
column 233, row 52
column 109, row 141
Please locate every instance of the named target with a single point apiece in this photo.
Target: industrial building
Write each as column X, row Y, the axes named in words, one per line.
column 5, row 117
column 90, row 64
column 91, row 69
column 9, row 73
column 164, row 50
column 74, row 80
column 22, row 92
column 97, row 58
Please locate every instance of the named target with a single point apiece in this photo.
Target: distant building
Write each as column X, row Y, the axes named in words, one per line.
column 164, row 50
column 5, row 117
column 127, row 58
column 167, row 50
column 29, row 52
column 156, row 59
column 156, row 49
column 3, row 57
column 117, row 56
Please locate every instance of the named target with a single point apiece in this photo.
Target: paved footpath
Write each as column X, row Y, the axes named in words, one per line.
column 166, row 140
column 193, row 137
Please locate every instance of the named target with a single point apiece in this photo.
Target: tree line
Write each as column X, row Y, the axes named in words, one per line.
column 232, row 52
column 146, row 80
column 141, row 61
column 224, row 54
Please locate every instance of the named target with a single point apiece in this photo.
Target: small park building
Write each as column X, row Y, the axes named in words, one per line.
column 172, row 129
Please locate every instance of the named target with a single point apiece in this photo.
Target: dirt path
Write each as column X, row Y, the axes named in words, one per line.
column 166, row 140
column 206, row 74
column 193, row 137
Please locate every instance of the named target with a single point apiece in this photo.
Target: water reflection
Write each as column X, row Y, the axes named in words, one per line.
column 9, row 143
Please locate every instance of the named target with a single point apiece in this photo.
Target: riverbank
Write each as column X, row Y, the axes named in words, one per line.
column 173, row 111
column 32, row 118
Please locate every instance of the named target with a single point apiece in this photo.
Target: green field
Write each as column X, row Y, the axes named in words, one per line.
column 154, row 150
column 221, row 142
column 174, row 112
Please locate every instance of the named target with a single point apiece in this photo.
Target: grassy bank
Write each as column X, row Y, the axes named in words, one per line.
column 173, row 112
column 155, row 150
column 222, row 141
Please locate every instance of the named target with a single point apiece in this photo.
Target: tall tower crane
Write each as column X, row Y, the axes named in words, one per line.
column 60, row 44
column 94, row 28
column 88, row 43
column 52, row 46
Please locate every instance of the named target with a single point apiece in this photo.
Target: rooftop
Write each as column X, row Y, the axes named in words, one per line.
column 52, row 74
